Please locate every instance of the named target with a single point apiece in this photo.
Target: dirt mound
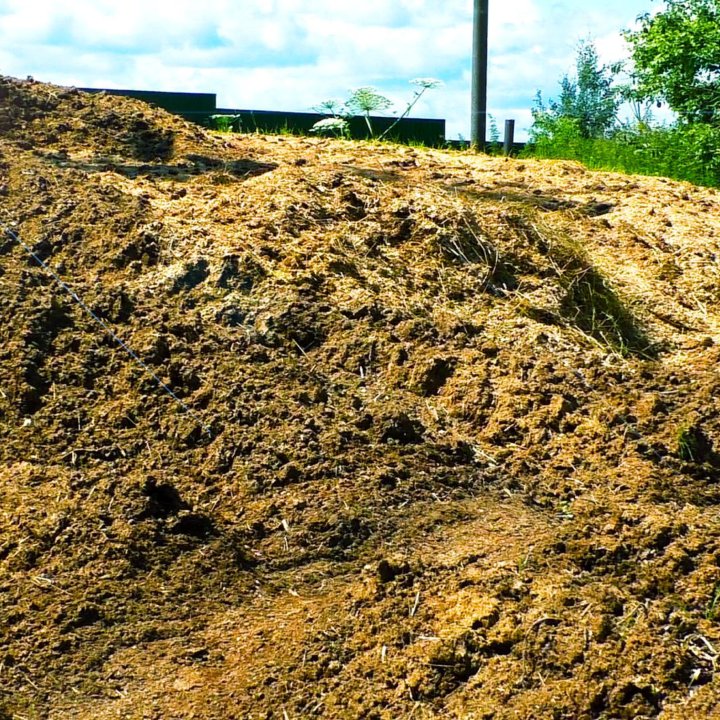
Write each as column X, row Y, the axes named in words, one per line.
column 449, row 443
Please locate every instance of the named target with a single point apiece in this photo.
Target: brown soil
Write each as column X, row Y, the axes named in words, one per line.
column 462, row 458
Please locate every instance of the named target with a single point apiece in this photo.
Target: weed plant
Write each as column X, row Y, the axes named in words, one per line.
column 361, row 103
column 225, row 123
column 687, row 445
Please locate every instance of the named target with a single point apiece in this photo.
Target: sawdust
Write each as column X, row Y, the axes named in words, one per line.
column 463, row 459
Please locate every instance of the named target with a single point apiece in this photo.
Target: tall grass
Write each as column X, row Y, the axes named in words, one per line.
column 682, row 152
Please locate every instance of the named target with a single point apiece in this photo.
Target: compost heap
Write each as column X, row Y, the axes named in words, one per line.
column 447, row 445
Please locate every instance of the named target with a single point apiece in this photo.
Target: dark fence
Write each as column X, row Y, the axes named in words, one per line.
column 200, row 107
column 174, row 102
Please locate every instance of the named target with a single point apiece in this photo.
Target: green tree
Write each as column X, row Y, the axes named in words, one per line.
column 588, row 102
column 676, row 54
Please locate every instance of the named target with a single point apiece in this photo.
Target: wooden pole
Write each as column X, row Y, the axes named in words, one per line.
column 478, row 125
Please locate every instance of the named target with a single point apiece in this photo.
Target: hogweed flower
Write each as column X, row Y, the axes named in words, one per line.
column 330, row 126
column 427, row 83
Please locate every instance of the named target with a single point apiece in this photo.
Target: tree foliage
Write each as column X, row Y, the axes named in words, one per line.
column 676, row 54
column 588, row 102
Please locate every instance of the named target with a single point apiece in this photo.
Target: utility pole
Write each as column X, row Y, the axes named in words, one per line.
column 478, row 125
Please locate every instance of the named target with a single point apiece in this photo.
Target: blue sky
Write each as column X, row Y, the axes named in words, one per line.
column 293, row 54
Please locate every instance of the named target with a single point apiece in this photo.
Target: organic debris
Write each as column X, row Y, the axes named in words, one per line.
column 462, row 457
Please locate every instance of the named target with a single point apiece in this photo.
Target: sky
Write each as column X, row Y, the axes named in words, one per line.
column 294, row 54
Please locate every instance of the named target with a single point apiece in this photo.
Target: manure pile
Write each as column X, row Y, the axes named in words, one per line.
column 464, row 442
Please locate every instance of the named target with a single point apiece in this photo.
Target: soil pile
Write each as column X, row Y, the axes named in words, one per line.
column 452, row 447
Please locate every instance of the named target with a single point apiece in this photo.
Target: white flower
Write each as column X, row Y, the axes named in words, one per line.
column 329, row 125
column 428, row 83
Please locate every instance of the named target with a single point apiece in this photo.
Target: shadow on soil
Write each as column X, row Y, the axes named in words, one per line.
column 538, row 200
column 589, row 302
column 188, row 167
column 594, row 307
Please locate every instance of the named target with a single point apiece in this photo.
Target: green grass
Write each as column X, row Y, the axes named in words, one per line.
column 711, row 613
column 689, row 152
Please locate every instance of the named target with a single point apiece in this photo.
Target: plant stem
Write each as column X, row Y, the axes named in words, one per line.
column 369, row 125
column 410, row 106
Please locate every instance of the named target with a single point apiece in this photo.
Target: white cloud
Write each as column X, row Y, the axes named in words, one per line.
column 291, row 54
